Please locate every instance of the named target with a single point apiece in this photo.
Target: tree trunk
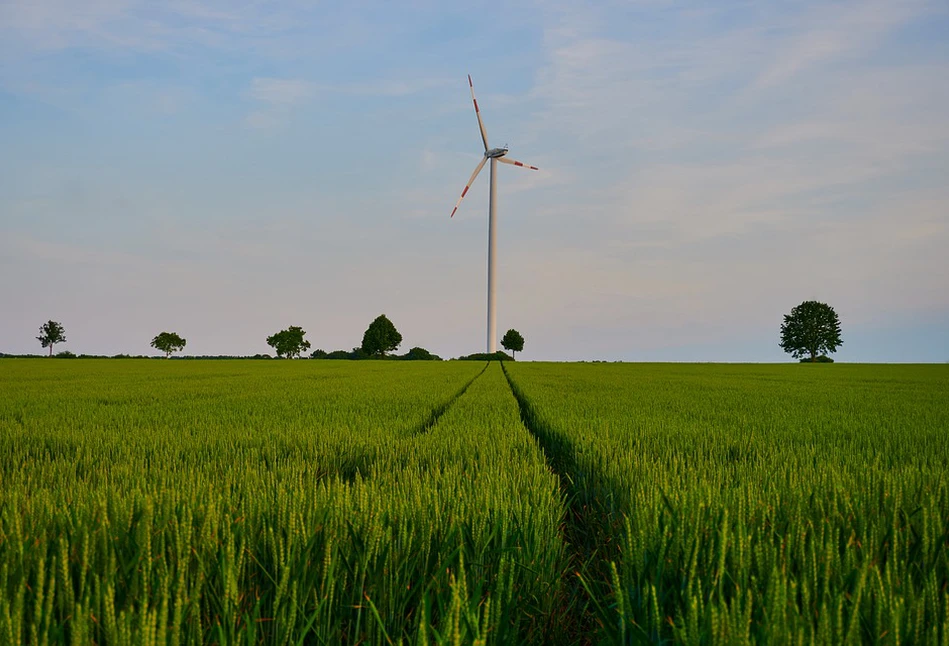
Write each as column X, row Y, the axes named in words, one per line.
column 813, row 356
column 50, row 349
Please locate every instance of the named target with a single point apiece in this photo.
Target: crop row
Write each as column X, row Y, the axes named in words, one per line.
column 333, row 502
column 183, row 504
column 753, row 504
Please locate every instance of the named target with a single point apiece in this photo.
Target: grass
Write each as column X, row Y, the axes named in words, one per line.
column 147, row 502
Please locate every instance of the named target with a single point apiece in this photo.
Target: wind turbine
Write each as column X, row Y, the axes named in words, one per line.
column 495, row 155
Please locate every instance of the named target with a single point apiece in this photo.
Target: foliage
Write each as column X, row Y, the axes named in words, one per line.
column 168, row 342
column 821, row 359
column 420, row 354
column 65, row 354
column 359, row 353
column 485, row 356
column 513, row 341
column 380, row 337
column 811, row 328
column 415, row 354
column 289, row 343
column 51, row 333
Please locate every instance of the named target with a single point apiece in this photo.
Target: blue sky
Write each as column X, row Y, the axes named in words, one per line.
column 225, row 169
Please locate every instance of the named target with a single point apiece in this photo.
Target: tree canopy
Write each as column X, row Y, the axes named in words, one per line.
column 513, row 341
column 380, row 337
column 168, row 342
column 289, row 343
column 811, row 329
column 51, row 333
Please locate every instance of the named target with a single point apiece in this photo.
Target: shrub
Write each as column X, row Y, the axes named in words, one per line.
column 420, row 354
column 486, row 356
column 821, row 359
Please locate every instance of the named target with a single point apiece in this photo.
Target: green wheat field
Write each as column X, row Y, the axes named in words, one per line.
column 323, row 502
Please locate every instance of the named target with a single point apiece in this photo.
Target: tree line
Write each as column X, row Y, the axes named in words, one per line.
column 379, row 341
column 809, row 332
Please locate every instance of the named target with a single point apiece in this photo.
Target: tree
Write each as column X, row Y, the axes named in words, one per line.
column 168, row 342
column 289, row 343
column 51, row 333
column 810, row 329
column 513, row 341
column 380, row 337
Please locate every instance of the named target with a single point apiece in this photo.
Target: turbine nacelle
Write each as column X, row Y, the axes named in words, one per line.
column 495, row 153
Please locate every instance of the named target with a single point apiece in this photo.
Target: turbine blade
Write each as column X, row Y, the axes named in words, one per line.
column 514, row 162
column 484, row 133
column 468, row 185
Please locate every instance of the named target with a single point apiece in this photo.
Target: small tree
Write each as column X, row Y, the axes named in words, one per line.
column 168, row 342
column 289, row 343
column 380, row 337
column 513, row 341
column 51, row 333
column 812, row 328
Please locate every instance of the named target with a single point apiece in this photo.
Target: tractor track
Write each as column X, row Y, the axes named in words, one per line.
column 587, row 529
column 442, row 408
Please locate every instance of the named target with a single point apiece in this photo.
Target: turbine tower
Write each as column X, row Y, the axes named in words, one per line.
column 495, row 155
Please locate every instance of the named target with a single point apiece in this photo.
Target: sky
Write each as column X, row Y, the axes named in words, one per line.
column 227, row 168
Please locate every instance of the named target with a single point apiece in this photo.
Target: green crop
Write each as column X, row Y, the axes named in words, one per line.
column 324, row 502
column 770, row 504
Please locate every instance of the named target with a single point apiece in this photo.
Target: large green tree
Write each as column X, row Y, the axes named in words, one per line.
column 289, row 343
column 513, row 341
column 380, row 337
column 169, row 342
column 51, row 333
column 811, row 329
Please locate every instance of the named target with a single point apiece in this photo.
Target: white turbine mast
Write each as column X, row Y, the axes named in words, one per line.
column 495, row 155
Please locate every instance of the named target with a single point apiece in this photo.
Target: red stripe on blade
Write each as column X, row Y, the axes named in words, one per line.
column 452, row 213
column 464, row 191
column 476, row 105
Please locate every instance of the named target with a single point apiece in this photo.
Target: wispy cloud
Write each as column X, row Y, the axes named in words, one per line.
column 389, row 87
column 278, row 97
column 277, row 91
column 829, row 31
column 703, row 167
column 55, row 24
